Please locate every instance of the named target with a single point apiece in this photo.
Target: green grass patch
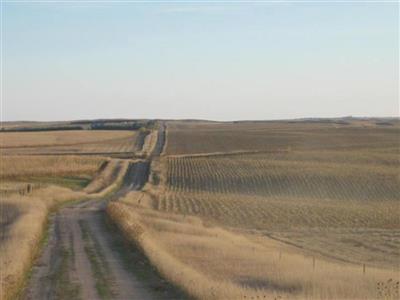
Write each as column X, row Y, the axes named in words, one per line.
column 74, row 183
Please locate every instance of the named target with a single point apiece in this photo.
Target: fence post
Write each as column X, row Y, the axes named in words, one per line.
column 364, row 269
column 313, row 262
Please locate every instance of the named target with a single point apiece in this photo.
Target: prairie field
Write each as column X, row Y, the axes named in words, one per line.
column 210, row 262
column 242, row 210
column 330, row 190
column 18, row 171
column 35, row 181
column 74, row 141
column 21, row 167
column 327, row 190
column 23, row 222
column 210, row 137
column 314, row 176
column 24, row 213
column 211, row 150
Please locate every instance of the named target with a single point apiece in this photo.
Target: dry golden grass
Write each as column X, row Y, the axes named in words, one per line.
column 12, row 187
column 107, row 173
column 296, row 219
column 23, row 217
column 327, row 191
column 22, row 223
column 149, row 143
column 108, row 178
column 79, row 141
column 357, row 231
column 20, row 167
column 212, row 263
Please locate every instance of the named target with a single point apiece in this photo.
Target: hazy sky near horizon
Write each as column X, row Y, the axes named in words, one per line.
column 221, row 61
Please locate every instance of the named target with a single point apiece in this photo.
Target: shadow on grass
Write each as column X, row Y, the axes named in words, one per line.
column 136, row 262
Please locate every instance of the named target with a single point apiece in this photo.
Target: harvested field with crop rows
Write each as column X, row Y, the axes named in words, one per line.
column 211, row 137
column 335, row 192
column 211, row 211
column 285, row 176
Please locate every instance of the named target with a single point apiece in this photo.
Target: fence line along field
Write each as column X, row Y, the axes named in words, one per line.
column 22, row 167
column 33, row 185
column 209, row 262
column 79, row 141
column 341, row 200
column 355, row 232
column 23, row 221
column 68, row 171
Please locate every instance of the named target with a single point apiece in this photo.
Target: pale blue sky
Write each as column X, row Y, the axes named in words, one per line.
column 221, row 61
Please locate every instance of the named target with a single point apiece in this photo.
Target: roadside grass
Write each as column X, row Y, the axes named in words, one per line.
column 110, row 172
column 138, row 264
column 333, row 188
column 20, row 287
column 23, row 224
column 24, row 233
column 209, row 262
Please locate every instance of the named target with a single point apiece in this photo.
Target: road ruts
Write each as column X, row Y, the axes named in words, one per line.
column 80, row 256
column 161, row 138
column 77, row 260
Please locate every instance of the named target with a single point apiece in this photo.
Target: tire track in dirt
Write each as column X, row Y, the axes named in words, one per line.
column 65, row 268
column 161, row 138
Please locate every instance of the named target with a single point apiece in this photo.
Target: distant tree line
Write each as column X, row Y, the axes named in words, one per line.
column 48, row 128
column 88, row 125
column 115, row 126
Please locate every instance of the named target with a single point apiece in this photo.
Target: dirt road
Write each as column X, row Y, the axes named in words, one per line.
column 86, row 258
column 161, row 137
